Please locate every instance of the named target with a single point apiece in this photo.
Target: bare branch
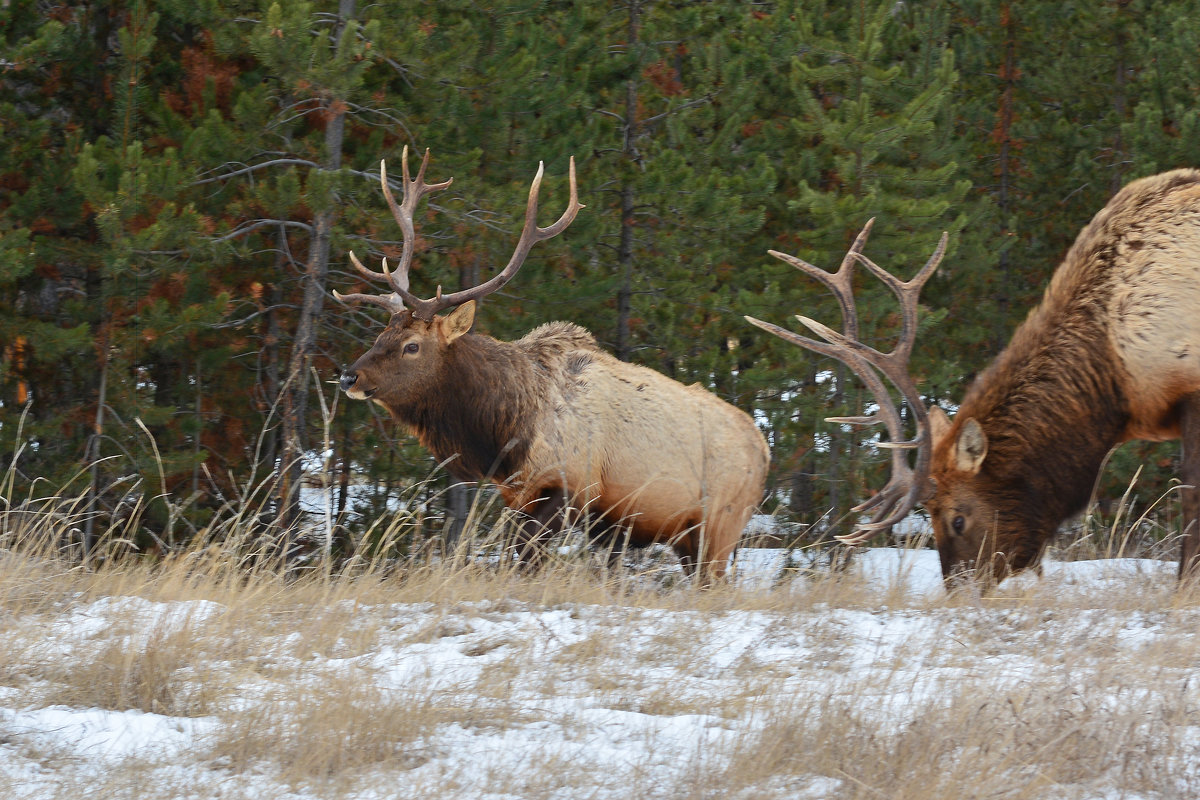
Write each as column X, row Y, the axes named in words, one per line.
column 277, row 162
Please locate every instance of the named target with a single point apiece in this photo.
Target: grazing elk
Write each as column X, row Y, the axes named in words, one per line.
column 560, row 425
column 1111, row 354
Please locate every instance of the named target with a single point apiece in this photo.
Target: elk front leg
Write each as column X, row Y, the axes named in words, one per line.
column 1189, row 558
column 612, row 538
column 541, row 518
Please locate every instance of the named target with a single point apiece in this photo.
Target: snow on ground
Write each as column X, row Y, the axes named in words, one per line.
column 626, row 702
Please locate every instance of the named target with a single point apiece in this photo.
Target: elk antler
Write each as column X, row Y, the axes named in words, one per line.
column 903, row 490
column 414, row 190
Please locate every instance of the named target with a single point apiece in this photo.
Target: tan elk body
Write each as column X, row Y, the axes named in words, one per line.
column 1112, row 353
column 567, row 431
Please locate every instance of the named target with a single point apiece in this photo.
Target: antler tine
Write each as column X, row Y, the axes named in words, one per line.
column 900, row 494
column 907, row 293
column 863, row 420
column 903, row 490
column 366, row 273
column 392, row 302
column 531, row 234
column 888, row 414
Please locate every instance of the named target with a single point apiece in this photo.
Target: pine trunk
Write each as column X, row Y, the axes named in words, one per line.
column 294, row 405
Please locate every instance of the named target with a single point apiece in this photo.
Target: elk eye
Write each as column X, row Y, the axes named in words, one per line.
column 411, row 347
column 958, row 523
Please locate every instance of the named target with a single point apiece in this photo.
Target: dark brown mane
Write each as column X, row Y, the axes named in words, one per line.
column 482, row 419
column 1051, row 404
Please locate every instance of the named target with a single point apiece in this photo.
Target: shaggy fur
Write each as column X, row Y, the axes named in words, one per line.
column 501, row 386
column 1112, row 353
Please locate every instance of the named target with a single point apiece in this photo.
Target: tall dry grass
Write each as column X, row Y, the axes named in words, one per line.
column 1034, row 691
column 287, row 667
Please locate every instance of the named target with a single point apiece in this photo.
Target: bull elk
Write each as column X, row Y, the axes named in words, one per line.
column 1112, row 353
column 562, row 427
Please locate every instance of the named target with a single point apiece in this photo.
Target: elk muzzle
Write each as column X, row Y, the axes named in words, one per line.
column 348, row 382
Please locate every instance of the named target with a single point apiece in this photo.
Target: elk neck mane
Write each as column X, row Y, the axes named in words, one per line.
column 491, row 392
column 1052, row 403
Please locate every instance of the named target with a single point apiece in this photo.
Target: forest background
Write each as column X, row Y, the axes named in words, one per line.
column 180, row 182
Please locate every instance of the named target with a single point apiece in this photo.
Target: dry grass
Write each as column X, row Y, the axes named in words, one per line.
column 440, row 680
column 1029, row 742
column 321, row 730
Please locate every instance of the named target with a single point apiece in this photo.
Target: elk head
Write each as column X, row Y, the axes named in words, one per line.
column 975, row 530
column 949, row 455
column 410, row 352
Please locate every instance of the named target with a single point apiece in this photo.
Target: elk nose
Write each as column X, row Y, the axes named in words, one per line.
column 347, row 380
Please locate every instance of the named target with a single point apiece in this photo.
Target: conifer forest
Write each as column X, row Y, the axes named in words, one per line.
column 181, row 182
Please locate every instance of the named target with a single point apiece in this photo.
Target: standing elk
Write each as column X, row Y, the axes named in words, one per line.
column 1111, row 354
column 558, row 424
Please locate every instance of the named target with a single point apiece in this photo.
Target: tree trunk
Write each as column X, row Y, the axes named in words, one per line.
column 1003, row 135
column 460, row 495
column 294, row 405
column 624, row 345
column 93, row 451
column 272, row 369
column 1120, row 101
column 458, row 506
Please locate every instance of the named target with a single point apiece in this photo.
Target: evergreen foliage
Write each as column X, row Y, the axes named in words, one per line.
column 181, row 181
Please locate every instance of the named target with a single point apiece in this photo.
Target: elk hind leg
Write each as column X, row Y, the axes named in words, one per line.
column 685, row 548
column 698, row 556
column 717, row 542
column 1189, row 558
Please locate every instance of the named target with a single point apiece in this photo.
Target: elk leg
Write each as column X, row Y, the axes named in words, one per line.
column 685, row 548
column 602, row 533
column 541, row 519
column 1189, row 558
column 696, row 554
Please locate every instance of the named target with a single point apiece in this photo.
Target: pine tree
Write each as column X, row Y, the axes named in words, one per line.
column 869, row 123
column 108, row 267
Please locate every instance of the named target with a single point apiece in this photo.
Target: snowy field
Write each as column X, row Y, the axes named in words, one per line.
column 1079, row 685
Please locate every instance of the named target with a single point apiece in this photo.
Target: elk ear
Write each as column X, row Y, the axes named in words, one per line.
column 939, row 424
column 971, row 447
column 458, row 321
